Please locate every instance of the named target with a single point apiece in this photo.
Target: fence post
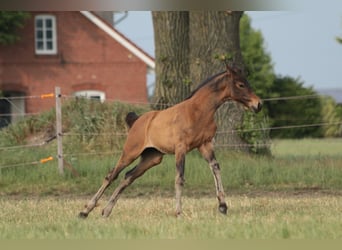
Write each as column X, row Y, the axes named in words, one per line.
column 59, row 130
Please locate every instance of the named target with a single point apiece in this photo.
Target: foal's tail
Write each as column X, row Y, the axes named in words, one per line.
column 131, row 117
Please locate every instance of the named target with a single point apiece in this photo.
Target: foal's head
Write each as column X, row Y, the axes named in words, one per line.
column 241, row 91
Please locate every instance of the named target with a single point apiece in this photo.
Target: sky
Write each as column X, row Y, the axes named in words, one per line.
column 301, row 43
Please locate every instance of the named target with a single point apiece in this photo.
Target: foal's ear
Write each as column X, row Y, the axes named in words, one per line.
column 233, row 69
column 229, row 68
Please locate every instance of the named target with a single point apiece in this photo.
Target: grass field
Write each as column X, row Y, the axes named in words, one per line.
column 263, row 217
column 296, row 193
column 240, row 173
column 309, row 148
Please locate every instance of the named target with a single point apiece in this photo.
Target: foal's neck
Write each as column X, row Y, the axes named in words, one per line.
column 208, row 100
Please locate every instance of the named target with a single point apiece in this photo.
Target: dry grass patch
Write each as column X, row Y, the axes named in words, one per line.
column 264, row 217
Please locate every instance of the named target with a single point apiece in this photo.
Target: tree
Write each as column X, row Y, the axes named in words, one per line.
column 294, row 112
column 339, row 39
column 10, row 22
column 171, row 35
column 190, row 47
column 214, row 40
column 259, row 68
column 331, row 113
column 257, row 60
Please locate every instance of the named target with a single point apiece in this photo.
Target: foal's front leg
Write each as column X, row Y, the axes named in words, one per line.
column 207, row 152
column 179, row 180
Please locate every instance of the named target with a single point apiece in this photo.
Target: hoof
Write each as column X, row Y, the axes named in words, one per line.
column 178, row 215
column 223, row 208
column 82, row 215
column 105, row 214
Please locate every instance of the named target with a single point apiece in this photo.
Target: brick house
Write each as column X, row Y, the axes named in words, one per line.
column 79, row 52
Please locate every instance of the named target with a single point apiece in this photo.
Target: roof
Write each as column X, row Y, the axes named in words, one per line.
column 120, row 38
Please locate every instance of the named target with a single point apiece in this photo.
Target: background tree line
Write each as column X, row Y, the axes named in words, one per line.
column 268, row 84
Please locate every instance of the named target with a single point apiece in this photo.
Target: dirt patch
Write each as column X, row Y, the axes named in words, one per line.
column 302, row 192
column 298, row 192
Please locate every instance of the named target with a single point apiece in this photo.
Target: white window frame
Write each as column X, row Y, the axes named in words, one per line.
column 92, row 94
column 43, row 37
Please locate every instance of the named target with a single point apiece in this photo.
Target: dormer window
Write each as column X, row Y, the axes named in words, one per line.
column 45, row 35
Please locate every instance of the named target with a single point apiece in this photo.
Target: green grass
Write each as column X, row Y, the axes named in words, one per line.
column 316, row 148
column 240, row 173
column 88, row 138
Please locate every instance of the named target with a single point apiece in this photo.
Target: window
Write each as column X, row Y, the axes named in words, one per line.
column 12, row 107
column 92, row 94
column 45, row 35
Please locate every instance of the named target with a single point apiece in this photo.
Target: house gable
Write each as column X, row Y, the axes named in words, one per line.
column 89, row 57
column 119, row 38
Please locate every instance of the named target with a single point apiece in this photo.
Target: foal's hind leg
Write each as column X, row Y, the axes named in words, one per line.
column 111, row 176
column 149, row 158
column 208, row 153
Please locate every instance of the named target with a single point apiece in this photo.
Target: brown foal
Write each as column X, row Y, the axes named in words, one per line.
column 177, row 130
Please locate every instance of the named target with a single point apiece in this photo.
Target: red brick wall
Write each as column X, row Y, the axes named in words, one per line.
column 87, row 59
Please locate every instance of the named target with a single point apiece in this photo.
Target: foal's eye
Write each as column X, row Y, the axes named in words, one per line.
column 241, row 85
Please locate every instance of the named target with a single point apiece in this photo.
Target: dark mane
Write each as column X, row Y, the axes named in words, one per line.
column 204, row 83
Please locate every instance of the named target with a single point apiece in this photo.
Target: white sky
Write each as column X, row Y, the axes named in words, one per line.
column 301, row 43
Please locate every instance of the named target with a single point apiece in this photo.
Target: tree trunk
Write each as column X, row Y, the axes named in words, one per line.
column 171, row 36
column 214, row 39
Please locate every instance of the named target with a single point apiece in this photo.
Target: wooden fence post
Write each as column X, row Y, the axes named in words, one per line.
column 59, row 130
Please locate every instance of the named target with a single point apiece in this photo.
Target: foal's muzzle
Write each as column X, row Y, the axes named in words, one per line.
column 255, row 104
column 257, row 108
